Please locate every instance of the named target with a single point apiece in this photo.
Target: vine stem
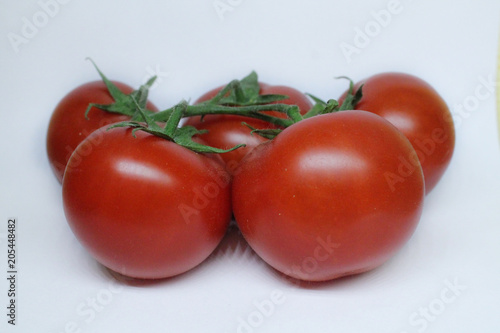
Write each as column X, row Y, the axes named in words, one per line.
column 252, row 111
column 239, row 97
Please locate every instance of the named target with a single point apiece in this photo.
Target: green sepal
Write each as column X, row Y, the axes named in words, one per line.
column 317, row 108
column 331, row 106
column 248, row 88
column 182, row 136
column 352, row 98
column 317, row 100
column 123, row 103
column 244, row 92
column 268, row 133
column 322, row 107
column 136, row 126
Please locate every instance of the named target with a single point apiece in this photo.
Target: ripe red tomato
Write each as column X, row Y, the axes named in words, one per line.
column 145, row 207
column 68, row 125
column 419, row 112
column 330, row 196
column 226, row 131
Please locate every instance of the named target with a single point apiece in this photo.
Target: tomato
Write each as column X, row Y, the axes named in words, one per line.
column 419, row 112
column 330, row 196
column 145, row 207
column 68, row 125
column 226, row 131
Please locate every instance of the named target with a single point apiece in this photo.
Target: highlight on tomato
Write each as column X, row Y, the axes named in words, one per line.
column 324, row 198
column 419, row 112
column 143, row 206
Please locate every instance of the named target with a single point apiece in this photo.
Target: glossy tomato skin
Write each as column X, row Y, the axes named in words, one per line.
column 68, row 125
column 419, row 112
column 146, row 207
column 226, row 131
column 330, row 196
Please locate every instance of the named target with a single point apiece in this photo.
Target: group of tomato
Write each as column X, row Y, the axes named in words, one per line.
column 330, row 195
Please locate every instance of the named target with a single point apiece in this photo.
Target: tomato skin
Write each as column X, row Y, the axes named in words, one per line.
column 68, row 126
column 146, row 207
column 318, row 202
column 226, row 131
column 419, row 112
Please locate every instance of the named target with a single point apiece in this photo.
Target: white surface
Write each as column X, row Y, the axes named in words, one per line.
column 451, row 44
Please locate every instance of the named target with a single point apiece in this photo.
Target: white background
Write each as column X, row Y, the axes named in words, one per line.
column 193, row 48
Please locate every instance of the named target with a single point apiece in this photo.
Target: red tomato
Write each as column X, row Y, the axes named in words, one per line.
column 226, row 131
column 68, row 125
column 418, row 111
column 145, row 207
column 330, row 196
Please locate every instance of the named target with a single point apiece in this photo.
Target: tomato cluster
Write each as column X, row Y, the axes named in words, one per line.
column 318, row 191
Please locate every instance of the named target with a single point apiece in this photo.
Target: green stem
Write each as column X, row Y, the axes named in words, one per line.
column 238, row 91
column 174, row 119
column 294, row 113
column 252, row 111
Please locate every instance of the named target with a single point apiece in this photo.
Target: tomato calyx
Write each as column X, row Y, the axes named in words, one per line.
column 268, row 133
column 239, row 97
column 243, row 92
column 353, row 97
column 349, row 103
column 171, row 131
column 124, row 104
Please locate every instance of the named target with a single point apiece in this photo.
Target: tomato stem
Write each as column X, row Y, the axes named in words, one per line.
column 238, row 91
column 293, row 112
column 239, row 97
column 252, row 111
column 175, row 118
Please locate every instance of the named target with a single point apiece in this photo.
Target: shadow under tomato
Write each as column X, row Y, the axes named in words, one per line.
column 137, row 282
column 234, row 249
column 232, row 244
column 393, row 272
column 340, row 282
